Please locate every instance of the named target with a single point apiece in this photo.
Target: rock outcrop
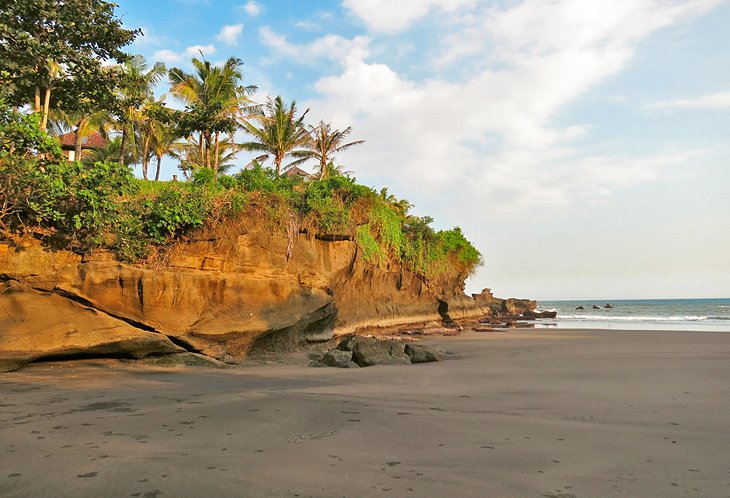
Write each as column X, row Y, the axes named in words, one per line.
column 36, row 324
column 223, row 293
column 360, row 351
column 498, row 306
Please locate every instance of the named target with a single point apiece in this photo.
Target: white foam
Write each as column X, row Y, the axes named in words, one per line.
column 639, row 318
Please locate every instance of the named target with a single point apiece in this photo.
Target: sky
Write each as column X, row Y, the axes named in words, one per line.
column 582, row 145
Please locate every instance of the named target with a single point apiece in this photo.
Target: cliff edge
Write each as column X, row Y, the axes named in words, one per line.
column 221, row 293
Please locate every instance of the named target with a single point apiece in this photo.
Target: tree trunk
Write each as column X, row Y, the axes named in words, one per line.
column 145, row 156
column 77, row 142
column 216, row 153
column 122, row 145
column 37, row 98
column 159, row 162
column 277, row 160
column 322, row 169
column 207, row 149
column 202, row 149
column 46, row 108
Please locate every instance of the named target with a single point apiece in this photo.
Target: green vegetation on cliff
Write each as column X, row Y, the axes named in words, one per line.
column 63, row 82
column 82, row 206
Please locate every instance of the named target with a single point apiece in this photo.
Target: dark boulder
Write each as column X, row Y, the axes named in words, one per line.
column 420, row 353
column 608, row 306
column 336, row 358
column 347, row 343
column 580, row 308
column 596, row 307
column 368, row 351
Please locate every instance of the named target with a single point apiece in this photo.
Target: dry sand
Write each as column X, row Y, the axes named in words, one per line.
column 527, row 413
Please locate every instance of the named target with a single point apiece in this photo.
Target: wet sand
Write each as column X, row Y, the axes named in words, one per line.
column 556, row 413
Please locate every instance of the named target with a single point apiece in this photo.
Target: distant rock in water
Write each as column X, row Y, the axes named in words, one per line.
column 596, row 307
column 580, row 308
column 608, row 306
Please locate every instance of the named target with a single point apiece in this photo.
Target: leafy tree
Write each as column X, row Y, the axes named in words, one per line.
column 215, row 98
column 21, row 136
column 281, row 132
column 45, row 44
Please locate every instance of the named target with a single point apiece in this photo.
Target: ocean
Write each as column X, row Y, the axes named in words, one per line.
column 712, row 315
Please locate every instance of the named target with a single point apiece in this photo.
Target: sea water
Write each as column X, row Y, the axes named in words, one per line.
column 711, row 315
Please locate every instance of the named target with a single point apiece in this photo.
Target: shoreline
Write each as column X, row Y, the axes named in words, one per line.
column 532, row 412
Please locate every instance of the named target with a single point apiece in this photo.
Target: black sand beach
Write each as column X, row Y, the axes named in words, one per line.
column 534, row 413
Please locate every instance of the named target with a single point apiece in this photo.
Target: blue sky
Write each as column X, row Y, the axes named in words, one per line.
column 581, row 144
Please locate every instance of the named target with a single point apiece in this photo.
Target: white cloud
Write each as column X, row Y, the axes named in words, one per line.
column 307, row 26
column 196, row 50
column 332, row 47
column 230, row 34
column 389, row 16
column 492, row 135
column 253, row 8
column 167, row 55
column 719, row 100
column 170, row 56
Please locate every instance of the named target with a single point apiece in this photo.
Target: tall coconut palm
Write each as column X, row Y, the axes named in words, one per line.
column 280, row 132
column 156, row 130
column 215, row 99
column 162, row 138
column 325, row 143
column 138, row 85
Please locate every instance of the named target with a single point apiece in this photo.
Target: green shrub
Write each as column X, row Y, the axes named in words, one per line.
column 20, row 135
column 368, row 245
column 204, row 176
column 174, row 211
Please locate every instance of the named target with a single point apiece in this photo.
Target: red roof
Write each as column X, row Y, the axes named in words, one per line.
column 93, row 141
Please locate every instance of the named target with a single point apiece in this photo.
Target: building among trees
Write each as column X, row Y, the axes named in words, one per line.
column 89, row 143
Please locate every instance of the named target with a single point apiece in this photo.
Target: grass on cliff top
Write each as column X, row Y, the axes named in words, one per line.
column 79, row 207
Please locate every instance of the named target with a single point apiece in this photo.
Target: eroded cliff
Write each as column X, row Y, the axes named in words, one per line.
column 220, row 293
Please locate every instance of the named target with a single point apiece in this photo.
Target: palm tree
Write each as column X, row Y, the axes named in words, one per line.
column 110, row 153
column 191, row 160
column 157, row 132
column 332, row 170
column 215, row 99
column 137, row 88
column 162, row 138
column 280, row 134
column 400, row 206
column 325, row 143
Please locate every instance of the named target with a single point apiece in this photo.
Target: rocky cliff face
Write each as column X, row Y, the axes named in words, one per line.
column 220, row 294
